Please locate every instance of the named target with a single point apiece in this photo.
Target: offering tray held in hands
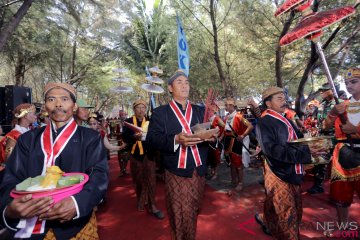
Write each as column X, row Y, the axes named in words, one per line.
column 314, row 141
column 203, row 131
column 320, row 143
column 58, row 193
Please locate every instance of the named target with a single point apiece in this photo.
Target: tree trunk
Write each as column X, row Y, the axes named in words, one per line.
column 299, row 106
column 10, row 27
column 73, row 61
column 309, row 67
column 20, row 69
column 61, row 66
column 278, row 62
column 73, row 58
column 216, row 50
column 2, row 17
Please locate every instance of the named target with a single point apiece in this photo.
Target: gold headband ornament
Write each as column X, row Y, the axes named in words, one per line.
column 352, row 73
column 44, row 114
column 93, row 115
column 25, row 111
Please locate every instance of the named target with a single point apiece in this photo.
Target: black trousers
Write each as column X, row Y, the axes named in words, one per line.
column 319, row 174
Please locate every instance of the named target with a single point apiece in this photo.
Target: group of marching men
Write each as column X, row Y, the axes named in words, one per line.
column 75, row 148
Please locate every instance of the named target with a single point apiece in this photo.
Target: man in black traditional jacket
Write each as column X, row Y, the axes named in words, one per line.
column 74, row 149
column 284, row 169
column 184, row 156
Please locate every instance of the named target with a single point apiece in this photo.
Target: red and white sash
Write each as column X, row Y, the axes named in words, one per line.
column 51, row 149
column 185, row 122
column 299, row 169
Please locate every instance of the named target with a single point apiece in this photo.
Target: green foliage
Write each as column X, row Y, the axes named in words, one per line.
column 83, row 41
column 142, row 43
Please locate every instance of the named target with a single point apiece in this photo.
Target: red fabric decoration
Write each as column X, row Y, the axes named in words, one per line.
column 315, row 22
column 210, row 104
column 289, row 5
column 304, row 6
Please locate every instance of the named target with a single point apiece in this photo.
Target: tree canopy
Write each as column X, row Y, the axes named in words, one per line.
column 234, row 47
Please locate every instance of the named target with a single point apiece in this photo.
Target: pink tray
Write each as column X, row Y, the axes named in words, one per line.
column 57, row 194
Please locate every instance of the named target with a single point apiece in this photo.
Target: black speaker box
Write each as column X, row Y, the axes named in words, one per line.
column 14, row 96
column 2, row 106
column 6, row 129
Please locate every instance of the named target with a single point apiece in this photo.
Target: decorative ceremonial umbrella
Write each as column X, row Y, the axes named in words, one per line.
column 122, row 89
column 156, row 70
column 121, row 79
column 154, row 79
column 311, row 27
column 289, row 5
column 120, row 70
column 152, row 88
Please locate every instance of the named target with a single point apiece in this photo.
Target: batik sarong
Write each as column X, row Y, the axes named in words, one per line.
column 88, row 232
column 282, row 207
column 137, row 175
column 149, row 183
column 183, row 202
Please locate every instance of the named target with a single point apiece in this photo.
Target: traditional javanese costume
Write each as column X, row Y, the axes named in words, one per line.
column 123, row 155
column 6, row 147
column 185, row 166
column 14, row 134
column 233, row 148
column 319, row 170
column 142, row 164
column 215, row 148
column 73, row 149
column 283, row 174
column 345, row 172
column 290, row 114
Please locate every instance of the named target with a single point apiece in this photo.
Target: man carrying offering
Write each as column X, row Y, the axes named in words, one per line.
column 184, row 156
column 73, row 149
column 284, row 170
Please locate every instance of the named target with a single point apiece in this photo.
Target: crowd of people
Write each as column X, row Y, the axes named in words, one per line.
column 76, row 140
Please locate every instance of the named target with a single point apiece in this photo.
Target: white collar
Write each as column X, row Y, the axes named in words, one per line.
column 21, row 129
column 354, row 118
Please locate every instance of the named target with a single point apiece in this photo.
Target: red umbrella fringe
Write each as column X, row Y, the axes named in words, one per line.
column 289, row 5
column 315, row 22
